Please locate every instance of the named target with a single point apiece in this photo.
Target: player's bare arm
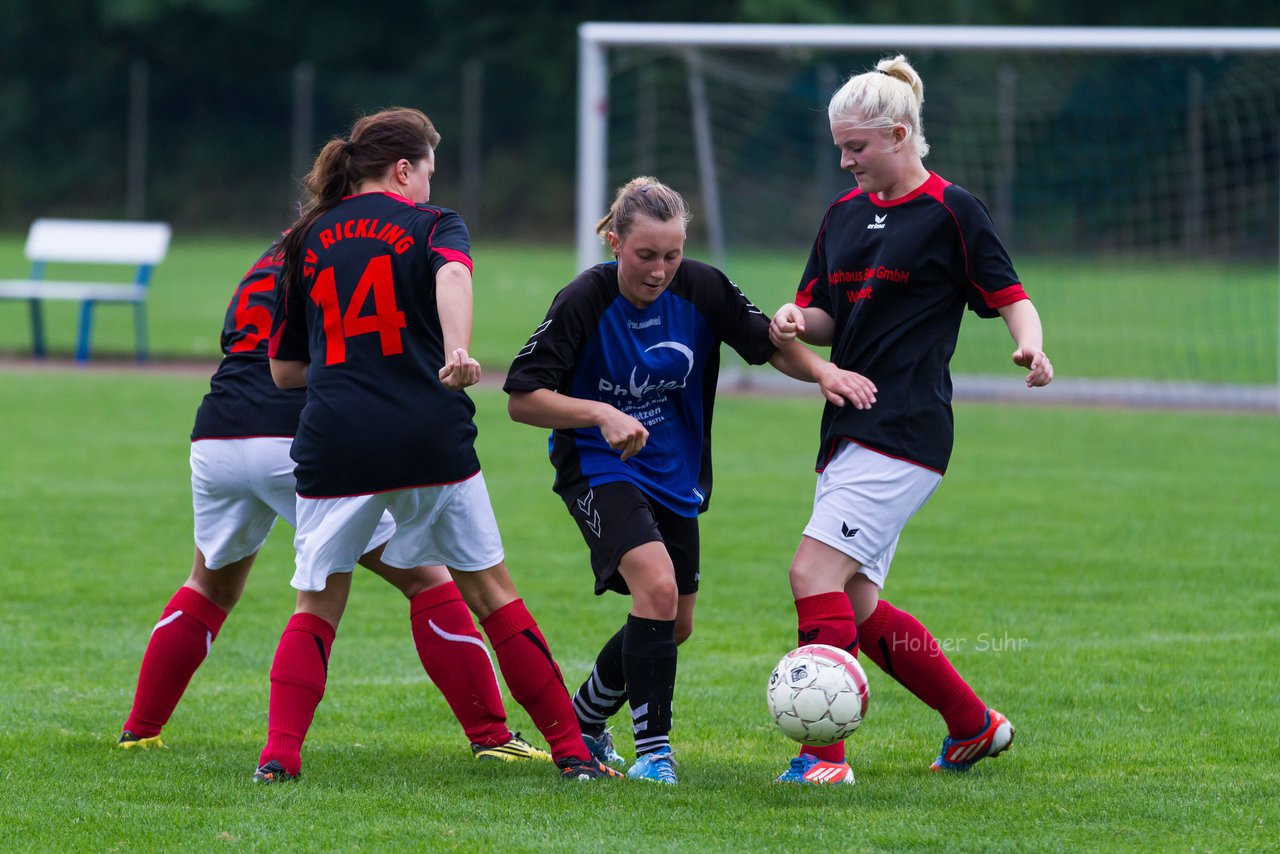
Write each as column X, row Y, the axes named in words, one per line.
column 546, row 408
column 289, row 373
column 454, row 304
column 811, row 325
column 837, row 385
column 1028, row 335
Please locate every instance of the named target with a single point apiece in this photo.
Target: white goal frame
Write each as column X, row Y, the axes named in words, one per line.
column 596, row 38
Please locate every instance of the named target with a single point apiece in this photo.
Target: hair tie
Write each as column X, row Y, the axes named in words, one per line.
column 348, row 147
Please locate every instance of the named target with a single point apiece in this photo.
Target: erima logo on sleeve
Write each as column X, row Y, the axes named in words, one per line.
column 879, row 223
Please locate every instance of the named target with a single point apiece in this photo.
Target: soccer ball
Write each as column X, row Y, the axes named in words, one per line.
column 818, row 694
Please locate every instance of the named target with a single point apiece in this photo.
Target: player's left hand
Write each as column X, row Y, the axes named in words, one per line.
column 1039, row 368
column 460, row 371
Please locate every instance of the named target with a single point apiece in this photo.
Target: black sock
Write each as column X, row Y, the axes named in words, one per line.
column 605, row 691
column 649, row 661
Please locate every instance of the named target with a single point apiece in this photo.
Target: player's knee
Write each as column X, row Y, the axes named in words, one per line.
column 223, row 591
column 808, row 580
column 411, row 582
column 656, row 599
column 486, row 591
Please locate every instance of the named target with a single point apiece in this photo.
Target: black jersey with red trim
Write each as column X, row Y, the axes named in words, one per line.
column 658, row 364
column 362, row 310
column 243, row 401
column 896, row 277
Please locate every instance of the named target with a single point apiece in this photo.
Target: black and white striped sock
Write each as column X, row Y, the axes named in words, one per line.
column 649, row 661
column 604, row 692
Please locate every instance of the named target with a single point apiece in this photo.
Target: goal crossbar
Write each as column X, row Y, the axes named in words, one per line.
column 1140, row 39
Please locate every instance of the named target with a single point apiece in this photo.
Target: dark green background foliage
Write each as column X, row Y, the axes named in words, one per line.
column 221, row 74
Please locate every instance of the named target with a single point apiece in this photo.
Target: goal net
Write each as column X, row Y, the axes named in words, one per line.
column 1133, row 174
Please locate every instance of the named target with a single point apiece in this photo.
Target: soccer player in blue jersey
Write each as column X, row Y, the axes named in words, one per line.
column 241, row 482
column 374, row 318
column 895, row 263
column 624, row 370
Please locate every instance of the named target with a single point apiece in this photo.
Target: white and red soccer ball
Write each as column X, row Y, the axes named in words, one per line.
column 818, row 694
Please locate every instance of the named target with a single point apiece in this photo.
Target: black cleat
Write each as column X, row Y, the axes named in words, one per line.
column 273, row 772
column 576, row 769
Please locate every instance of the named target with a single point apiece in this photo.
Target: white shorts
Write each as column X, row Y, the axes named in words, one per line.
column 239, row 487
column 863, row 501
column 452, row 525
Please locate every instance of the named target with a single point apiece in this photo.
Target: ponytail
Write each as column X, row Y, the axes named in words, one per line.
column 376, row 143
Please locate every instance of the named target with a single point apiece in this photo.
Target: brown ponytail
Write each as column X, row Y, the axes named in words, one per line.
column 376, row 143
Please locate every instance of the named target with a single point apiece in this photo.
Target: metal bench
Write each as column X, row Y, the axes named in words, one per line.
column 82, row 241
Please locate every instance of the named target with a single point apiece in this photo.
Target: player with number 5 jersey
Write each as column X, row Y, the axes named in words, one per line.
column 241, row 482
column 374, row 318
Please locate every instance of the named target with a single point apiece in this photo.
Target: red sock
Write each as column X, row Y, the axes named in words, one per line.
column 457, row 661
column 903, row 648
column 534, row 678
column 827, row 618
column 179, row 643
column 297, row 685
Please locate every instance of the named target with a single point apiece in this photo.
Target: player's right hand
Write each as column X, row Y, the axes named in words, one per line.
column 839, row 385
column 787, row 323
column 460, row 371
column 623, row 433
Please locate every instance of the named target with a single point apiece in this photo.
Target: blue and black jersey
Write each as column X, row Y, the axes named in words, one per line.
column 659, row 364
column 362, row 310
column 896, row 277
column 243, row 401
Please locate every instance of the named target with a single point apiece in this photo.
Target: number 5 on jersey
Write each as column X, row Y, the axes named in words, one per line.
column 387, row 320
column 253, row 320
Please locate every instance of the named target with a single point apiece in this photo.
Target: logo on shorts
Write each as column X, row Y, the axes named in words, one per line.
column 849, row 533
column 590, row 515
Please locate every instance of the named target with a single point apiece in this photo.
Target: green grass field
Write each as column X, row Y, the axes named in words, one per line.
column 1106, row 578
column 1198, row 320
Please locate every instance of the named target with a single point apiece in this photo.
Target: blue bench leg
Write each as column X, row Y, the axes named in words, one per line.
column 37, row 330
column 140, row 330
column 86, row 328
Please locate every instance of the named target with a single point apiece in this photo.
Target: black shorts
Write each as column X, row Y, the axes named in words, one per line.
column 617, row 517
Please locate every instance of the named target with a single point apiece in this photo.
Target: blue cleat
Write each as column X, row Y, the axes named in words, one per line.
column 601, row 747
column 960, row 754
column 808, row 770
column 657, row 767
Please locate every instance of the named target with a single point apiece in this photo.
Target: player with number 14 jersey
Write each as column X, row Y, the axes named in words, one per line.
column 370, row 427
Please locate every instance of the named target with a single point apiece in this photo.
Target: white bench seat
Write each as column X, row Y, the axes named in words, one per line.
column 96, row 291
column 140, row 245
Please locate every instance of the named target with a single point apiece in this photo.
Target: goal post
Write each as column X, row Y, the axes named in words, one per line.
column 1103, row 152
